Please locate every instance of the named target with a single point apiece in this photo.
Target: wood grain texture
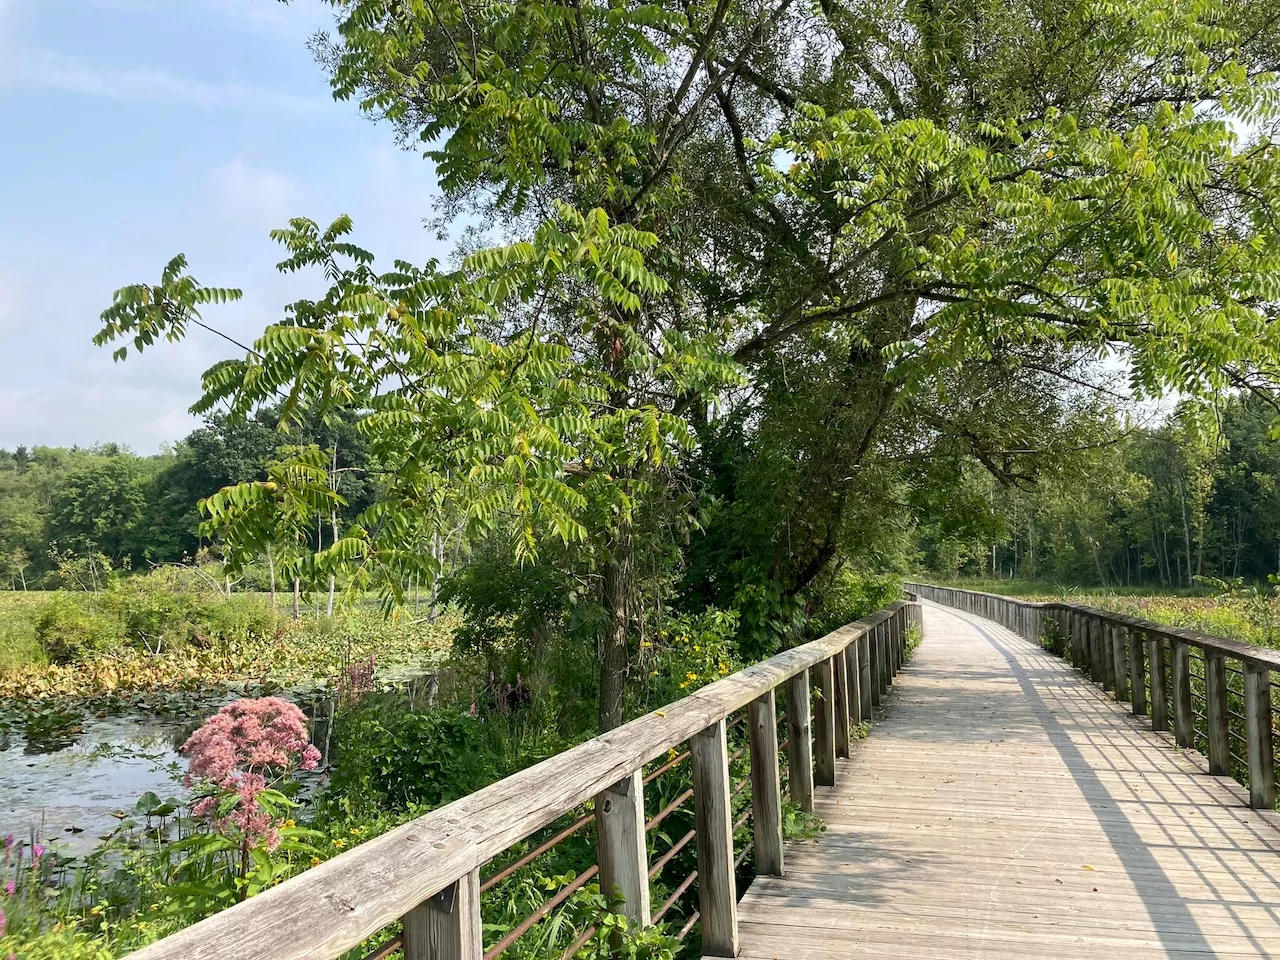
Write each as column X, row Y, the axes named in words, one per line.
column 1184, row 717
column 840, row 679
column 621, row 849
column 799, row 742
column 1247, row 652
column 853, row 665
column 864, row 675
column 1215, row 708
column 824, row 725
column 766, row 788
column 1158, row 667
column 1055, row 826
column 717, row 891
column 1137, row 672
column 449, row 928
column 1120, row 670
column 327, row 910
column 1260, row 741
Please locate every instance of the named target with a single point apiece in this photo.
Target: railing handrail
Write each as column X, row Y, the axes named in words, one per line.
column 1249, row 652
column 336, row 905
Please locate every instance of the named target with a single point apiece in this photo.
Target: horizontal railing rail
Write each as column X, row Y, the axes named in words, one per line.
column 425, row 874
column 1168, row 673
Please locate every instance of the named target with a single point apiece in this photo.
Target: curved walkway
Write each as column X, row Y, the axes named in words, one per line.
column 1005, row 807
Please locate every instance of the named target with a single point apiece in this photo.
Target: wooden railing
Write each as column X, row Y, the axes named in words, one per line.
column 425, row 874
column 1217, row 692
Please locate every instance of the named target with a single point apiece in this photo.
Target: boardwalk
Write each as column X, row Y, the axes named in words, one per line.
column 1007, row 808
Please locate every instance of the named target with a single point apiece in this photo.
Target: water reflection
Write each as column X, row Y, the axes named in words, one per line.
column 64, row 772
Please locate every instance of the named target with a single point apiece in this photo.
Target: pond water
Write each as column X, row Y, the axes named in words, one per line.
column 65, row 772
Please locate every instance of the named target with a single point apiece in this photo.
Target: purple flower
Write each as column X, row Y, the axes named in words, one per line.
column 10, row 888
column 8, row 842
column 37, row 851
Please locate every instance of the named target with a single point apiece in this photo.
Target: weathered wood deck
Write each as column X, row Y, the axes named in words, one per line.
column 1007, row 808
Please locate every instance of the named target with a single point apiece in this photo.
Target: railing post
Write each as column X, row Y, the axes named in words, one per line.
column 840, row 679
column 864, row 674
column 1215, row 696
column 883, row 660
column 876, row 646
column 1097, row 663
column 1137, row 672
column 799, row 742
column 1159, row 669
column 766, row 790
column 1120, row 656
column 1078, row 658
column 713, row 816
column 623, row 855
column 1184, row 729
column 447, row 926
column 1258, row 737
column 824, row 730
column 853, row 664
column 1108, row 657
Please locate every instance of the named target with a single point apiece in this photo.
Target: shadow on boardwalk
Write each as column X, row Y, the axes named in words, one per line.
column 1006, row 808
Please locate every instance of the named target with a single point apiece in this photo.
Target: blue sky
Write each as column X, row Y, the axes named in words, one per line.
column 131, row 130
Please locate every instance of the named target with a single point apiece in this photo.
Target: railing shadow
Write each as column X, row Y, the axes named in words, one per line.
column 1173, row 920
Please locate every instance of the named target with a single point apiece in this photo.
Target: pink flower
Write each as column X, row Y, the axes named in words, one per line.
column 310, row 758
column 37, row 851
column 235, row 751
column 10, row 888
column 3, row 923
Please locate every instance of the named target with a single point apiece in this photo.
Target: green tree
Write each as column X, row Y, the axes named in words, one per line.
column 874, row 200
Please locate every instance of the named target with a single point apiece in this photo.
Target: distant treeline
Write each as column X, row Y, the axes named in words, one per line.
column 140, row 511
column 1195, row 496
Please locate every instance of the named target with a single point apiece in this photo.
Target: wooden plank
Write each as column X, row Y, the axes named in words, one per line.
column 1056, row 827
column 622, row 851
column 853, row 665
column 864, row 675
column 1097, row 658
column 713, row 813
column 840, row 680
column 824, row 722
column 877, row 655
column 1260, row 741
column 1106, row 634
column 1137, row 672
column 766, row 789
column 1249, row 653
column 799, row 742
column 331, row 908
column 1215, row 695
column 1184, row 717
column 1120, row 669
column 1159, row 667
column 446, row 927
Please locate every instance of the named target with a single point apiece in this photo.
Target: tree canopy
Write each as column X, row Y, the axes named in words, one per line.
column 745, row 269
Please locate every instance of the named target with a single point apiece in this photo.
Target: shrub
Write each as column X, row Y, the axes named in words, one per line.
column 846, row 595
column 393, row 760
column 69, row 632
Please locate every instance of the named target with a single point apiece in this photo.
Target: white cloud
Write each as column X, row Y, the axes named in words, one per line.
column 49, row 69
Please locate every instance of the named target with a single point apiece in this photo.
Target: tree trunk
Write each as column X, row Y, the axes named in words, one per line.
column 618, row 589
column 1186, row 531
